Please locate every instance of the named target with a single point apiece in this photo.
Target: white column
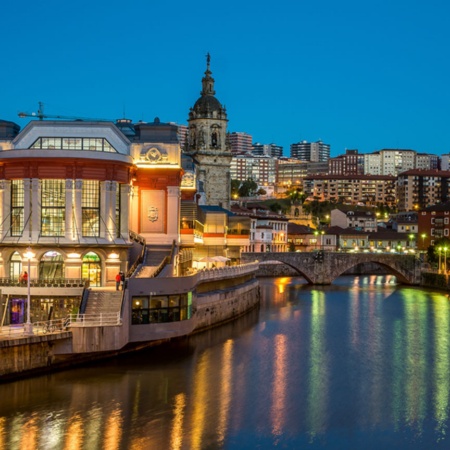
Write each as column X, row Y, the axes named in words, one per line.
column 26, row 235
column 128, row 203
column 36, row 211
column 112, row 226
column 104, row 206
column 69, row 217
column 173, row 212
column 78, row 232
column 5, row 206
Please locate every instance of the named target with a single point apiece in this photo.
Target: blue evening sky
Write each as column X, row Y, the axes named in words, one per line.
column 354, row 73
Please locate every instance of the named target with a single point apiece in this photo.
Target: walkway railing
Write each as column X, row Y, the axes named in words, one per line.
column 228, row 271
column 50, row 282
column 94, row 320
column 39, row 328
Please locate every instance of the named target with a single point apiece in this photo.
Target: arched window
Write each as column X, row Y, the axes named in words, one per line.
column 15, row 266
column 92, row 269
column 51, row 266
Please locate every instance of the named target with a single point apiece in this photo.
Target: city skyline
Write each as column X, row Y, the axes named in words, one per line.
column 347, row 74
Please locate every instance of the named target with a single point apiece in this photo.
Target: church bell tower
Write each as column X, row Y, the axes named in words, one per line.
column 207, row 143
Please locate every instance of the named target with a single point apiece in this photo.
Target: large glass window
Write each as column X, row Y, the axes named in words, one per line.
column 90, row 208
column 53, row 201
column 67, row 143
column 17, row 207
column 161, row 308
column 51, row 266
column 15, row 266
column 91, row 269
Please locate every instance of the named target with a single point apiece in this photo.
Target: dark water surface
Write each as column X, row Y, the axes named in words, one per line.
column 361, row 364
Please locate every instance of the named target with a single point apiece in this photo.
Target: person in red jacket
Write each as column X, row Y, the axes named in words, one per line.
column 118, row 280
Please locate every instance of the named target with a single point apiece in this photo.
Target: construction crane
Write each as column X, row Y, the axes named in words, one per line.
column 41, row 116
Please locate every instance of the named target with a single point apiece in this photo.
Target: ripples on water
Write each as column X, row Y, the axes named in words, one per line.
column 361, row 364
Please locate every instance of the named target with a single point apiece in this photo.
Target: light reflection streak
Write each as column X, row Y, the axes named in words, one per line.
column 200, row 397
column 74, row 433
column 415, row 312
column 176, row 435
column 113, row 431
column 279, row 387
column 318, row 366
column 2, row 433
column 442, row 363
column 93, row 429
column 225, row 391
column 29, row 433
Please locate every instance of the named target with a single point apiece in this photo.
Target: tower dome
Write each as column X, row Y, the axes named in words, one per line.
column 207, row 105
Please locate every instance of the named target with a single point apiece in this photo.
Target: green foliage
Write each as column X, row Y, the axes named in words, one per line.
column 275, row 207
column 438, row 247
column 248, row 188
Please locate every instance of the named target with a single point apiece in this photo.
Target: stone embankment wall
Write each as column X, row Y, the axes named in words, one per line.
column 435, row 280
column 32, row 354
column 221, row 306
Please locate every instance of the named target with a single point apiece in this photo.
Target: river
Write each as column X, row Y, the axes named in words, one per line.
column 361, row 364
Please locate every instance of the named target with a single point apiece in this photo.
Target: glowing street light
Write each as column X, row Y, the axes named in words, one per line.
column 445, row 259
column 439, row 253
column 28, row 327
column 423, row 236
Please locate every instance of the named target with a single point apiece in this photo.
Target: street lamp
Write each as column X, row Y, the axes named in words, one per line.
column 411, row 240
column 316, row 233
column 445, row 259
column 439, row 253
column 28, row 327
column 423, row 236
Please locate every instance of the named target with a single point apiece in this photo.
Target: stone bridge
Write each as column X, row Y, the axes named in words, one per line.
column 323, row 267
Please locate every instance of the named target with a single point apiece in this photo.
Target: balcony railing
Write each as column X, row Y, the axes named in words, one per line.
column 228, row 271
column 47, row 282
column 94, row 320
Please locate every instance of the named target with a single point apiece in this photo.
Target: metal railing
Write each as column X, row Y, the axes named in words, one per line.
column 94, row 320
column 228, row 271
column 46, row 282
column 39, row 328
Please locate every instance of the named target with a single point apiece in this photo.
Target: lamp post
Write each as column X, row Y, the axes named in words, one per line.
column 439, row 253
column 423, row 236
column 28, row 326
column 445, row 260
column 411, row 240
column 316, row 233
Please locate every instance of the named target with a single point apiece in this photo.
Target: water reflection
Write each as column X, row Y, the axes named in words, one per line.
column 361, row 364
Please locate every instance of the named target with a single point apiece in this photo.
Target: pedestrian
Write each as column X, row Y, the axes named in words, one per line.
column 118, row 280
column 122, row 280
column 25, row 278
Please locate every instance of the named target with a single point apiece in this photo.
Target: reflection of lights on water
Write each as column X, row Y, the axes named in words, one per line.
column 225, row 391
column 176, row 436
column 281, row 284
column 279, row 387
column 113, row 431
column 74, row 434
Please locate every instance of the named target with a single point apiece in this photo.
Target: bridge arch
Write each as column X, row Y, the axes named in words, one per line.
column 299, row 271
column 333, row 264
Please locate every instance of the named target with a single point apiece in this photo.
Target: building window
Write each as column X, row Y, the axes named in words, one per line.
column 90, row 208
column 17, row 207
column 92, row 144
column 161, row 309
column 53, row 201
column 51, row 266
column 446, row 232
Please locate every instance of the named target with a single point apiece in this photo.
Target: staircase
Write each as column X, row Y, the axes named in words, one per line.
column 103, row 302
column 154, row 256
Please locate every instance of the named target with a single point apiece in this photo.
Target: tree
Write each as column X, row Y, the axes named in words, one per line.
column 261, row 191
column 235, row 184
column 248, row 188
column 296, row 196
